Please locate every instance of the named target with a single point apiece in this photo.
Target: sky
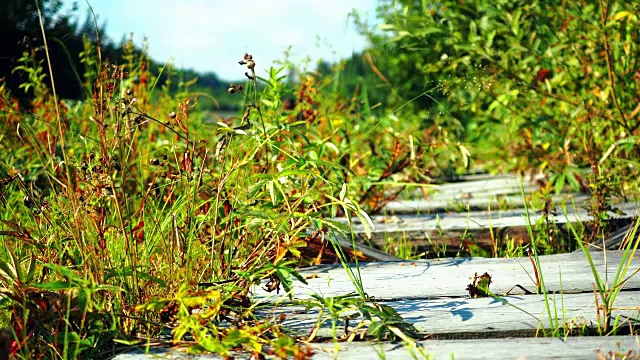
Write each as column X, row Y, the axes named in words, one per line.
column 213, row 35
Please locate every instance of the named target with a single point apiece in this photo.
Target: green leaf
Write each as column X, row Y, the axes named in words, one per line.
column 385, row 27
column 292, row 172
column 366, row 222
column 343, row 192
column 333, row 225
column 623, row 14
column 31, row 270
column 428, row 31
column 272, row 192
column 332, row 147
column 7, row 273
column 560, row 183
column 69, row 274
column 257, row 214
column 376, row 329
column 466, row 155
column 255, row 188
column 55, row 285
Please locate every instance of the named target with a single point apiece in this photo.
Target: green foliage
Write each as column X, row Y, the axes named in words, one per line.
column 380, row 321
column 139, row 211
column 35, row 74
column 132, row 210
column 535, row 87
column 541, row 84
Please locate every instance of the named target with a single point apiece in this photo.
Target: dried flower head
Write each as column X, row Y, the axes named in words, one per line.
column 248, row 60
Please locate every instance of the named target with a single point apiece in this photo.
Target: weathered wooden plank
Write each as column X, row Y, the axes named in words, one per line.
column 618, row 239
column 475, row 203
column 450, row 277
column 577, row 348
column 497, row 185
column 459, row 318
column 456, row 231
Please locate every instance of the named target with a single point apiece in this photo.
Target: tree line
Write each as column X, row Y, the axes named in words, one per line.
column 66, row 37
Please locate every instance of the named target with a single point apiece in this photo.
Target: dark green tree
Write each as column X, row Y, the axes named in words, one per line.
column 22, row 34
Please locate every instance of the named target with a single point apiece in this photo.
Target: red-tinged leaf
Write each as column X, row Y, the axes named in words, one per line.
column 138, row 232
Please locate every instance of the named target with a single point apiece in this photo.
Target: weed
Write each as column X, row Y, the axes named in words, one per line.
column 606, row 289
column 136, row 217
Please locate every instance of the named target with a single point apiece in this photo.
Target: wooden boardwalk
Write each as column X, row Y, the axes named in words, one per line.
column 432, row 296
column 451, row 218
column 520, row 348
column 458, row 231
column 424, row 279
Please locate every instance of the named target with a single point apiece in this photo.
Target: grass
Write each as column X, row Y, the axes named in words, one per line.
column 126, row 216
column 605, row 290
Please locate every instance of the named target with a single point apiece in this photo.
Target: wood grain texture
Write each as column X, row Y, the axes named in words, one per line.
column 452, row 232
column 449, row 277
column 475, row 202
column 497, row 349
column 508, row 184
column 460, row 318
column 578, row 348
